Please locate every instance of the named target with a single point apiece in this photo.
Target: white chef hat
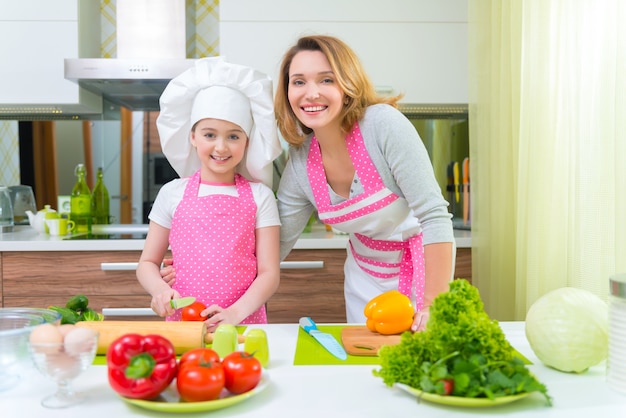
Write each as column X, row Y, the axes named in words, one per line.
column 214, row 88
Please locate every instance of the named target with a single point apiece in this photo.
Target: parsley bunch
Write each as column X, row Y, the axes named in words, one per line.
column 462, row 352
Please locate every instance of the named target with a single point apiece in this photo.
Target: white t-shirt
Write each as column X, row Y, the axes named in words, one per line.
column 171, row 194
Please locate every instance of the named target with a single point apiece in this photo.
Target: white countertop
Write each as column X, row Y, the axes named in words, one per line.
column 336, row 391
column 25, row 238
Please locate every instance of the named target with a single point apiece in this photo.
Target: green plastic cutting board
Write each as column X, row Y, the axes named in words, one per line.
column 311, row 353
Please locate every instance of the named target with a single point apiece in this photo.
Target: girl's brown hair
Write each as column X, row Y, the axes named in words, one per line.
column 353, row 81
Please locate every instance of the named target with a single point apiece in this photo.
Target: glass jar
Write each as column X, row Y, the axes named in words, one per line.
column 6, row 210
column 616, row 362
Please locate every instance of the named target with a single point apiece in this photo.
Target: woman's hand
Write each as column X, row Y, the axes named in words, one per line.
column 168, row 273
column 420, row 319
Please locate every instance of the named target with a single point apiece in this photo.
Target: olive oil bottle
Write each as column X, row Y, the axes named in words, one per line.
column 100, row 200
column 80, row 202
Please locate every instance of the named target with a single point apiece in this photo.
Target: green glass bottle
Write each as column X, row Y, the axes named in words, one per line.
column 80, row 202
column 100, row 200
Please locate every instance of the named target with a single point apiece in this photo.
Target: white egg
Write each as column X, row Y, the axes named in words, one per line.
column 65, row 328
column 46, row 338
column 79, row 340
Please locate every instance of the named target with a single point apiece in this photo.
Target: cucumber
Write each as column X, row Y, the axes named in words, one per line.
column 90, row 315
column 77, row 303
column 68, row 316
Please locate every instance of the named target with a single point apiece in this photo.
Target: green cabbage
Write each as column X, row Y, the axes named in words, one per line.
column 567, row 329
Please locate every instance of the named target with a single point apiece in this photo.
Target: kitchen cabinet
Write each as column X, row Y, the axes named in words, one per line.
column 40, row 279
column 42, row 34
column 311, row 281
column 50, row 278
column 107, row 278
column 415, row 47
column 463, row 265
column 315, row 291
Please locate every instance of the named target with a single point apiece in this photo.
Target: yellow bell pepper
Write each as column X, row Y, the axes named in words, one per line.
column 389, row 313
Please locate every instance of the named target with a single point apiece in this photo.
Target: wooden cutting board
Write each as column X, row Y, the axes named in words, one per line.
column 360, row 341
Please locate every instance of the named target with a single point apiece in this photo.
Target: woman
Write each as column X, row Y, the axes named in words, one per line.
column 357, row 161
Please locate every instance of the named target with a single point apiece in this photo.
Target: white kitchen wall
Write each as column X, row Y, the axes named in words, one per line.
column 415, row 47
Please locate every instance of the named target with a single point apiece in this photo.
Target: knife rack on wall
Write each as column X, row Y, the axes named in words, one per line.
column 446, row 138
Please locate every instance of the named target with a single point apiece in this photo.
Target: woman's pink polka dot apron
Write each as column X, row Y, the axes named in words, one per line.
column 213, row 246
column 380, row 256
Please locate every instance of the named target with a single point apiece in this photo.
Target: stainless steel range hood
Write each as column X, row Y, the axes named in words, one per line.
column 151, row 50
column 135, row 83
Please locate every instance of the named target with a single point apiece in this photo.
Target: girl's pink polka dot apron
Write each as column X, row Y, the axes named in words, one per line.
column 213, row 246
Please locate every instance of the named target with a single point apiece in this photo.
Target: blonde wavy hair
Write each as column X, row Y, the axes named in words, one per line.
column 351, row 77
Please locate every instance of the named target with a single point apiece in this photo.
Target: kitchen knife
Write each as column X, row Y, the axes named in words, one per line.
column 182, row 302
column 465, row 190
column 450, row 185
column 457, row 182
column 328, row 341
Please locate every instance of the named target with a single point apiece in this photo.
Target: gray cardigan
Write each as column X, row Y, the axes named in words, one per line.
column 403, row 163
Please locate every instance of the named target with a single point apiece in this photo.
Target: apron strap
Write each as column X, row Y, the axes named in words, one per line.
column 412, row 270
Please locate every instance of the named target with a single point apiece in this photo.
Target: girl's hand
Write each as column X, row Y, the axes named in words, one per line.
column 420, row 319
column 217, row 315
column 160, row 303
column 168, row 273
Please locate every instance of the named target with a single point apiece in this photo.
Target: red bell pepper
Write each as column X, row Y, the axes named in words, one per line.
column 141, row 366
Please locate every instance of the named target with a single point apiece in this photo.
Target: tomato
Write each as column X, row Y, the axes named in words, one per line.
column 197, row 356
column 242, row 371
column 193, row 311
column 448, row 386
column 200, row 382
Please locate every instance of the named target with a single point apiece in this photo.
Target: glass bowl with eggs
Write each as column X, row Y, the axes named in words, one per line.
column 16, row 325
column 61, row 353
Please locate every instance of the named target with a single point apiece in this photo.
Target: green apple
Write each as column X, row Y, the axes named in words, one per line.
column 225, row 339
column 256, row 344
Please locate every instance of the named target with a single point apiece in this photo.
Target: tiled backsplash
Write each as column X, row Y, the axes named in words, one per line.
column 9, row 153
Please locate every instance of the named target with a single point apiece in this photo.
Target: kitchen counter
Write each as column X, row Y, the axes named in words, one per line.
column 25, row 238
column 333, row 391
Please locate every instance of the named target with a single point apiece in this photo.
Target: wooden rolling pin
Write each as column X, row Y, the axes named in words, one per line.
column 185, row 335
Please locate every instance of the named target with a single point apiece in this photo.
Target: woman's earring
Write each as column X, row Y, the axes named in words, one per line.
column 346, row 100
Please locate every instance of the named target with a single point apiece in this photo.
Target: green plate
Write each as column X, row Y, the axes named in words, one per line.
column 460, row 401
column 169, row 401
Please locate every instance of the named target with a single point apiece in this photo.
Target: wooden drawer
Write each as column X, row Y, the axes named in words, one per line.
column 40, row 279
column 463, row 265
column 315, row 292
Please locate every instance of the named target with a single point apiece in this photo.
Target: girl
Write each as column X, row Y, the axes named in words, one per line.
column 216, row 128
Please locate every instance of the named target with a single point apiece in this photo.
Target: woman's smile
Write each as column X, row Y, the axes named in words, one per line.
column 314, row 108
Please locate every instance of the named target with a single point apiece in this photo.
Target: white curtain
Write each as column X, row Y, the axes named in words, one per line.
column 547, row 148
